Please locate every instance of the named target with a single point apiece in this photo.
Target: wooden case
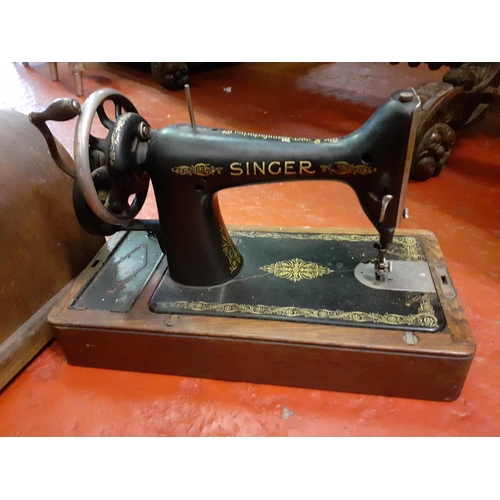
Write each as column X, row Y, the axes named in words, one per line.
column 379, row 361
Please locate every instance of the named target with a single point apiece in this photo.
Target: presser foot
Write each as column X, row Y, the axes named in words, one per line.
column 383, row 267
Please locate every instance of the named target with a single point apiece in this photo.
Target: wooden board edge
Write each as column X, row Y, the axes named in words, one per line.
column 22, row 345
column 431, row 377
column 454, row 313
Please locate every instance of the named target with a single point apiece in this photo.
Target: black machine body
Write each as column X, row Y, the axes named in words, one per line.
column 188, row 165
column 180, row 295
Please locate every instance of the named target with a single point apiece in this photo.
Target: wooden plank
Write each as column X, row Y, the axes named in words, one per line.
column 27, row 340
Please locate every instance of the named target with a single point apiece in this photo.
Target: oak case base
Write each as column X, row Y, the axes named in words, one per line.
column 350, row 359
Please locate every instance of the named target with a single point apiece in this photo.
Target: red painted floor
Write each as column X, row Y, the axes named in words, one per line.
column 461, row 206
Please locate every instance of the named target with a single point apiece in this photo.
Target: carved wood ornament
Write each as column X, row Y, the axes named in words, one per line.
column 464, row 97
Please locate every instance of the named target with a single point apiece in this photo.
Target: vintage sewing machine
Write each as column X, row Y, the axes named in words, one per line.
column 347, row 310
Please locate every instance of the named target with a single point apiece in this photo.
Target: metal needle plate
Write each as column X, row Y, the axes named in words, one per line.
column 410, row 276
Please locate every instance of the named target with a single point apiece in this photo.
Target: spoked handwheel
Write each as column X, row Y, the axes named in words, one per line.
column 108, row 170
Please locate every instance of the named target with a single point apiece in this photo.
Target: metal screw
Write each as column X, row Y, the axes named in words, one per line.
column 144, row 132
column 76, row 106
column 172, row 320
column 410, row 338
column 116, row 207
column 406, row 214
column 405, row 96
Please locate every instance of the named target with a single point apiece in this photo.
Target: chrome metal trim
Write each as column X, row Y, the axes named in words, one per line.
column 409, row 276
column 409, row 156
column 81, row 153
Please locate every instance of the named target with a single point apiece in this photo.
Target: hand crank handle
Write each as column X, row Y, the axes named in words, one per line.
column 60, row 110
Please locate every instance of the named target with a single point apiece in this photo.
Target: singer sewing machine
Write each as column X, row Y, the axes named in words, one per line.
column 349, row 310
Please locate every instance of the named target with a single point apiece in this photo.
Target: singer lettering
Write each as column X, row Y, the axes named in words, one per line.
column 256, row 168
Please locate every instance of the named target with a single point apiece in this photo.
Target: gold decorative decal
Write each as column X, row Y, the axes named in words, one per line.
column 230, row 251
column 404, row 247
column 409, row 249
column 201, row 169
column 345, row 168
column 114, row 137
column 423, row 299
column 278, row 137
column 296, row 270
column 274, row 167
column 306, row 236
column 425, row 319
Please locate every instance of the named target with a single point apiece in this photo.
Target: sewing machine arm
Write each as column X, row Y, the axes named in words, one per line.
column 189, row 165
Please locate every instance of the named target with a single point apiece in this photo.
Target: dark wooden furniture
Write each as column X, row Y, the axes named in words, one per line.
column 42, row 245
column 464, row 97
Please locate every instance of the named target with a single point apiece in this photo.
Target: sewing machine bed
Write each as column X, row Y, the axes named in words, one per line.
column 297, row 314
column 308, row 277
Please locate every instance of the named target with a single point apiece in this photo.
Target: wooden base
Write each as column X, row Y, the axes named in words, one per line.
column 353, row 359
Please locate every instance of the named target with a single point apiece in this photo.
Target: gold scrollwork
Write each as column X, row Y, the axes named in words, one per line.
column 425, row 319
column 345, row 168
column 422, row 299
column 114, row 137
column 296, row 270
column 305, row 236
column 278, row 137
column 408, row 250
column 230, row 251
column 405, row 247
column 201, row 169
